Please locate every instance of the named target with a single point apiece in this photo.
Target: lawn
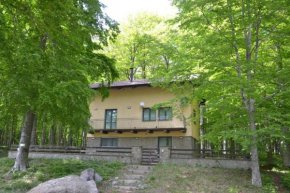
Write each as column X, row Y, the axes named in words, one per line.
column 187, row 179
column 41, row 170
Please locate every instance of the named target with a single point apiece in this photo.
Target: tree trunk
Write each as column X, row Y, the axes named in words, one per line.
column 21, row 161
column 43, row 130
column 59, row 135
column 6, row 134
column 233, row 148
column 256, row 175
column 286, row 155
column 11, row 136
column 270, row 154
column 52, row 135
column 69, row 141
column 34, row 132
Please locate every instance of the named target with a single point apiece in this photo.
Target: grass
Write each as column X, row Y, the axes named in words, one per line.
column 188, row 179
column 41, row 170
column 3, row 151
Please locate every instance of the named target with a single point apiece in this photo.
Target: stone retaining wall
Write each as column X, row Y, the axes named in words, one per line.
column 136, row 157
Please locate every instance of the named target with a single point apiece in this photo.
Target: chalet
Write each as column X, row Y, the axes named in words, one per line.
column 126, row 119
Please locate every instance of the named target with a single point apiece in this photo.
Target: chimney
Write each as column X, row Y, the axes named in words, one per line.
column 131, row 74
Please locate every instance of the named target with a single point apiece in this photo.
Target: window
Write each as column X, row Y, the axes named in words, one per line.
column 109, row 142
column 164, row 141
column 165, row 114
column 111, row 119
column 149, row 114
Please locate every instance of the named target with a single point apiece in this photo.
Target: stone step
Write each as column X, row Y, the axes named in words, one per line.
column 137, row 171
column 140, row 167
column 128, row 182
column 150, row 160
column 149, row 163
column 133, row 176
column 126, row 187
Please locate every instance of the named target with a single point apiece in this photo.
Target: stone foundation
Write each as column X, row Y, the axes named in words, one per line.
column 146, row 142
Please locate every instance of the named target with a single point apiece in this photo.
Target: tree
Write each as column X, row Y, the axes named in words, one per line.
column 229, row 43
column 48, row 55
column 143, row 44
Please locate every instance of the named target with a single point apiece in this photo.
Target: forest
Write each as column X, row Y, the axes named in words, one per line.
column 231, row 56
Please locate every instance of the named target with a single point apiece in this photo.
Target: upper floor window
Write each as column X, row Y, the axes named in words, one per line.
column 149, row 114
column 111, row 119
column 165, row 114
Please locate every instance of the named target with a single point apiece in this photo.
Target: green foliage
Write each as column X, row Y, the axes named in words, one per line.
column 41, row 170
column 286, row 180
column 50, row 55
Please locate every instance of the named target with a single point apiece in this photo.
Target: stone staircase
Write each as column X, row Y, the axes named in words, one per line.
column 150, row 156
column 133, row 179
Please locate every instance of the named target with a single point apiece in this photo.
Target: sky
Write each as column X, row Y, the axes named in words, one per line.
column 119, row 10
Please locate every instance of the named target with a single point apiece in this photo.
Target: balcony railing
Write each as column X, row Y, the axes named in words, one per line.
column 137, row 123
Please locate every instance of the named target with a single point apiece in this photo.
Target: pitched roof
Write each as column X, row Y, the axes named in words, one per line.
column 140, row 82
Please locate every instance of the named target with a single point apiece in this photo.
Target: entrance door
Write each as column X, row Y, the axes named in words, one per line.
column 111, row 119
column 164, row 142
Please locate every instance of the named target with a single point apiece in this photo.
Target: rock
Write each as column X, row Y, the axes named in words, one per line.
column 98, row 178
column 68, row 184
column 93, row 186
column 88, row 174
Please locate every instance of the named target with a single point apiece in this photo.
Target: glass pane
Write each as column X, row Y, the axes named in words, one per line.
column 108, row 125
column 108, row 116
column 162, row 142
column 145, row 114
column 109, row 142
column 153, row 115
column 114, row 116
column 114, row 142
column 114, row 125
column 169, row 113
column 165, row 141
column 161, row 114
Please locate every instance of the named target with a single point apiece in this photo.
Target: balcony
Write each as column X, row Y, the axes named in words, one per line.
column 135, row 125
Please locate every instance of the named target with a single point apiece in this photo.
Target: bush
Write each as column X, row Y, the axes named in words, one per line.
column 286, row 180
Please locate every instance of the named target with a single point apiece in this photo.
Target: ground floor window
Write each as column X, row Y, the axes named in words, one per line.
column 109, row 142
column 164, row 141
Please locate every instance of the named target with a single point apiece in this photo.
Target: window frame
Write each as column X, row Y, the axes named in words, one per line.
column 105, row 121
column 150, row 110
column 167, row 140
column 115, row 138
column 167, row 118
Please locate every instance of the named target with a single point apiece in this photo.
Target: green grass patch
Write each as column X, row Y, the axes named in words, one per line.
column 41, row 170
column 180, row 178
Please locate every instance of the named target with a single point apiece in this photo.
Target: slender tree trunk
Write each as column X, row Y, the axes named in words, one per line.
column 43, row 130
column 21, row 161
column 69, row 141
column 6, row 133
column 59, row 135
column 286, row 155
column 233, row 148
column 34, row 132
column 11, row 136
column 52, row 135
column 270, row 154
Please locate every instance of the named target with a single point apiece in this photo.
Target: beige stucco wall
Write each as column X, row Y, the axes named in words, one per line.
column 127, row 102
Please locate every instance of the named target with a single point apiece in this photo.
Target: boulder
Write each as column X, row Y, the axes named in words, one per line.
column 71, row 184
column 88, row 174
column 98, row 178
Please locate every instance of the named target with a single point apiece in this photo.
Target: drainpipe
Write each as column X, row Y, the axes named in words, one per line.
column 131, row 74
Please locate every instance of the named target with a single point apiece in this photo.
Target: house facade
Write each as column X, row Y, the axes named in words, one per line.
column 126, row 118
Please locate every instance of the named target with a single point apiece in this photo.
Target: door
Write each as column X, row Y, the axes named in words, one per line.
column 111, row 119
column 164, row 142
